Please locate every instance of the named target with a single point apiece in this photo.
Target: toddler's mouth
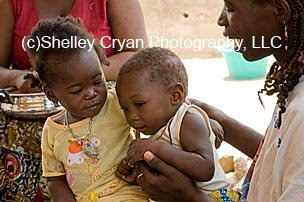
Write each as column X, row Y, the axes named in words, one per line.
column 141, row 129
column 93, row 106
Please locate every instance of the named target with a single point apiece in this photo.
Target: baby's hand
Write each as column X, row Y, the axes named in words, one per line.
column 125, row 172
column 137, row 149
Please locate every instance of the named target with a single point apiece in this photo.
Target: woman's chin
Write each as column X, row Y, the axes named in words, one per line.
column 251, row 57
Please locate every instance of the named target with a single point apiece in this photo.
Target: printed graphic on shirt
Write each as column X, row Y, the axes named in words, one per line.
column 76, row 154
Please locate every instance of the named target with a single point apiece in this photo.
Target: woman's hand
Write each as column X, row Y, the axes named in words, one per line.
column 218, row 132
column 24, row 85
column 212, row 112
column 163, row 182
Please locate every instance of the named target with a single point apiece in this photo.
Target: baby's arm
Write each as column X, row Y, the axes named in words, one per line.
column 127, row 173
column 196, row 158
column 197, row 162
column 59, row 189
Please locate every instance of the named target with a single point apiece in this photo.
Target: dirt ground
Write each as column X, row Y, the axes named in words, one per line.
column 190, row 22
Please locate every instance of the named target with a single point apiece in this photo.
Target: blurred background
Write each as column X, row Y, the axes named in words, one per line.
column 190, row 19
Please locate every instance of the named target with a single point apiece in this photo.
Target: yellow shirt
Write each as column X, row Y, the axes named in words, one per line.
column 91, row 179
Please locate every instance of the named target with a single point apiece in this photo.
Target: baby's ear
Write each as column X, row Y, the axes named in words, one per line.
column 50, row 94
column 177, row 93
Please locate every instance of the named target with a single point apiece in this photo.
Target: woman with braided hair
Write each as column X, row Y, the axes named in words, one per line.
column 277, row 173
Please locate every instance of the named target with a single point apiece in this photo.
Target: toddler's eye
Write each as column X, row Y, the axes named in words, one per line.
column 98, row 83
column 138, row 104
column 75, row 92
column 124, row 109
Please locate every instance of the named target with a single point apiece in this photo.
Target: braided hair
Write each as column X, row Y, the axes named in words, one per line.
column 44, row 59
column 282, row 79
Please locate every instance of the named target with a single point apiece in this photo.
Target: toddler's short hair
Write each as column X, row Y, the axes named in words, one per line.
column 45, row 59
column 161, row 64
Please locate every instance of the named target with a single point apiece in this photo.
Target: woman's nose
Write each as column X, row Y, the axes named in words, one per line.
column 222, row 19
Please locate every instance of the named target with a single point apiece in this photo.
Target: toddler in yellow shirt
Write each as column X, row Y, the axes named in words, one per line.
column 82, row 145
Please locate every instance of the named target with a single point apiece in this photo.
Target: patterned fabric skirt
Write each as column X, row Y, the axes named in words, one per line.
column 20, row 165
column 225, row 195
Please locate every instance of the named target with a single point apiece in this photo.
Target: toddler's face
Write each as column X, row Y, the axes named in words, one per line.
column 81, row 87
column 146, row 104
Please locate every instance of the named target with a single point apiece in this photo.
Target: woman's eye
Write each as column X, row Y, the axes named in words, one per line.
column 229, row 10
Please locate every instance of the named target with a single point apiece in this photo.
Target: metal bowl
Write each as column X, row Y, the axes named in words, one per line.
column 30, row 106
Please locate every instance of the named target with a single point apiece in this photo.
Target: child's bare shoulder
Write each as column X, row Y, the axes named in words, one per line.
column 193, row 121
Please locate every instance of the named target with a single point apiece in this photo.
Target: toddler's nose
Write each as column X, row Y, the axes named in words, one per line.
column 90, row 94
column 134, row 117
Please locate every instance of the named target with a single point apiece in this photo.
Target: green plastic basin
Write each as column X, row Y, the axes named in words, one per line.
column 241, row 69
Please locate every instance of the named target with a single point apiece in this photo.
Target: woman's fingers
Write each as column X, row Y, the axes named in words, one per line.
column 163, row 182
column 218, row 132
column 217, row 143
column 157, row 164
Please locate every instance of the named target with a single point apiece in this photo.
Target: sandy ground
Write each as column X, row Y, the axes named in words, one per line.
column 188, row 20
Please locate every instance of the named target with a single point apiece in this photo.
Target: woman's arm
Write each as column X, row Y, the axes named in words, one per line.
column 7, row 22
column 116, row 61
column 237, row 134
column 165, row 183
column 8, row 77
column 127, row 22
column 59, row 189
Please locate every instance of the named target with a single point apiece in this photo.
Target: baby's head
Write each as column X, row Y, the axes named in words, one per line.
column 70, row 75
column 151, row 86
